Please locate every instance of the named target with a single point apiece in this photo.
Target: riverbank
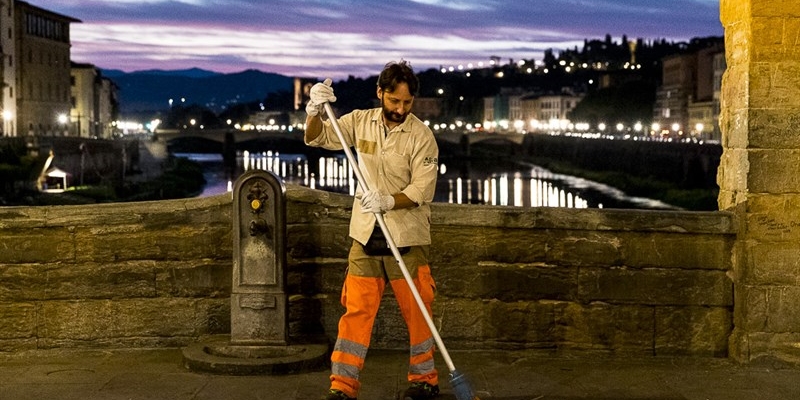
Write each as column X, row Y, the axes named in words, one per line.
column 153, row 174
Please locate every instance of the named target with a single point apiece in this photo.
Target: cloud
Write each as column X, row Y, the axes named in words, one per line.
column 348, row 37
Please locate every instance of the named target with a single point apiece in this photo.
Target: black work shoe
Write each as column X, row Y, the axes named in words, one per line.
column 421, row 391
column 335, row 394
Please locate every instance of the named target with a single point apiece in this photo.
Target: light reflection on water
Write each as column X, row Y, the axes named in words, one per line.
column 524, row 186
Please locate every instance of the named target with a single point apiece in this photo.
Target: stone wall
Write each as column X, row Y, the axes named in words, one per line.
column 759, row 170
column 159, row 274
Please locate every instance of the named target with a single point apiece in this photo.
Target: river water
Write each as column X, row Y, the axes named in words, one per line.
column 490, row 182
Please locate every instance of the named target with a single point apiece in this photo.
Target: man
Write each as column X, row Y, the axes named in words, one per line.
column 398, row 157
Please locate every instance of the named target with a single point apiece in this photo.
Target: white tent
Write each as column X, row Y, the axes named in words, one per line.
column 56, row 178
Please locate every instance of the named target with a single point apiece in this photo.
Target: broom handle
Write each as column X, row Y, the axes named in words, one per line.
column 390, row 240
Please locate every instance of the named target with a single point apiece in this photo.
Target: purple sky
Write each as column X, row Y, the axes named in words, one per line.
column 337, row 38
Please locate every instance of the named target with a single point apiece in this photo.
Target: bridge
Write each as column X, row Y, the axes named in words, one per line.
column 218, row 135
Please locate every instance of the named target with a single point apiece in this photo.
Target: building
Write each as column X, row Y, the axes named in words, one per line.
column 555, row 107
column 8, row 70
column 42, row 55
column 687, row 102
column 720, row 66
column 94, row 103
column 672, row 98
column 523, row 112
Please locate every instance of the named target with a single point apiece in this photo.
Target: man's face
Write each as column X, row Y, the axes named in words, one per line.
column 396, row 105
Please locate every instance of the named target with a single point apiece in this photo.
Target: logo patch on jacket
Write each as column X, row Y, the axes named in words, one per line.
column 366, row 147
column 430, row 161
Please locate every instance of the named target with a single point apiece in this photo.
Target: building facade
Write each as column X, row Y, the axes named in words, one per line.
column 687, row 102
column 42, row 55
column 82, row 94
column 94, row 102
column 8, row 70
column 525, row 112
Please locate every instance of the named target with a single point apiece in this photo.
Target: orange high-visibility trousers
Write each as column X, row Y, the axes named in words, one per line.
column 362, row 292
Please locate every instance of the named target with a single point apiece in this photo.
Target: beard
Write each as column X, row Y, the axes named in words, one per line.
column 393, row 116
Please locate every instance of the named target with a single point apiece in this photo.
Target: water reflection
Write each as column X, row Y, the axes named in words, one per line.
column 491, row 182
column 334, row 174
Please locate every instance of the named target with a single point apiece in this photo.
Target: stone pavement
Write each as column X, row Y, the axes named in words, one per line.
column 494, row 375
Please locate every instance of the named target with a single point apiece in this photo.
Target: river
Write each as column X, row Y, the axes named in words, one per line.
column 490, row 182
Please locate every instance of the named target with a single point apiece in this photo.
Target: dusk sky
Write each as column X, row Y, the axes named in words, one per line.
column 338, row 38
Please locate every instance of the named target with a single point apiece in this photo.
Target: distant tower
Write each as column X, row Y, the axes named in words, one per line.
column 632, row 46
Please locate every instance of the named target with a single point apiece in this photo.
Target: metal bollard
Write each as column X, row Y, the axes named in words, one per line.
column 258, row 298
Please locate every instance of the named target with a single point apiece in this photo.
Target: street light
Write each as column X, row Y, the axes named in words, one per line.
column 7, row 117
column 62, row 120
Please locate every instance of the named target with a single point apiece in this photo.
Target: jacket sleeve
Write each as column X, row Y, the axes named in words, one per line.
column 328, row 139
column 424, row 171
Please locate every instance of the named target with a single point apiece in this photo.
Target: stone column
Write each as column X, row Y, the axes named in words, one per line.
column 759, row 174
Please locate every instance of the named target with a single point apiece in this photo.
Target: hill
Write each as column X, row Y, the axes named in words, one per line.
column 152, row 90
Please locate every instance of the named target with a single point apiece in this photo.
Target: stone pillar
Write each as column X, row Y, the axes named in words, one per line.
column 759, row 174
column 258, row 296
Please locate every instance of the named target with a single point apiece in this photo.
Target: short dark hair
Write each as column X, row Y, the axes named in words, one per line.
column 395, row 73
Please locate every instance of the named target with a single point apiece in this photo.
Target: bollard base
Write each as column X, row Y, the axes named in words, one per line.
column 218, row 356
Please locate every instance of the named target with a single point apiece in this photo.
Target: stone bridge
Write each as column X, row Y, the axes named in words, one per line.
column 723, row 283
column 218, row 135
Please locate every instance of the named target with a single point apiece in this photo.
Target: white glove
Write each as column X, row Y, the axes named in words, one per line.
column 374, row 202
column 319, row 94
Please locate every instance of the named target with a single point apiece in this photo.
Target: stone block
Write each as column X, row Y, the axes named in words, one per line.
column 656, row 286
column 456, row 245
column 773, row 348
column 769, row 39
column 97, row 320
column 37, row 245
column 136, row 242
column 774, row 128
column 212, row 316
column 99, row 281
column 734, row 114
column 201, row 278
column 774, row 85
column 317, row 240
column 774, row 171
column 460, row 319
column 697, row 331
column 23, row 218
column 23, row 282
column 670, row 250
column 773, row 217
column 772, row 309
column 584, row 248
column 19, row 320
column 603, row 327
column 508, row 281
column 768, row 9
column 532, row 323
column 304, row 316
column 772, row 263
column 733, row 12
column 733, row 169
column 389, row 330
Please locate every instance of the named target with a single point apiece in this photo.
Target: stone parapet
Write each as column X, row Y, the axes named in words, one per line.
column 159, row 274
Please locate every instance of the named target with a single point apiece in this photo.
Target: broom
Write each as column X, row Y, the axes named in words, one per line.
column 458, row 381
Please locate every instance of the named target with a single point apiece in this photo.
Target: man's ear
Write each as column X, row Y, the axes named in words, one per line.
column 379, row 92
